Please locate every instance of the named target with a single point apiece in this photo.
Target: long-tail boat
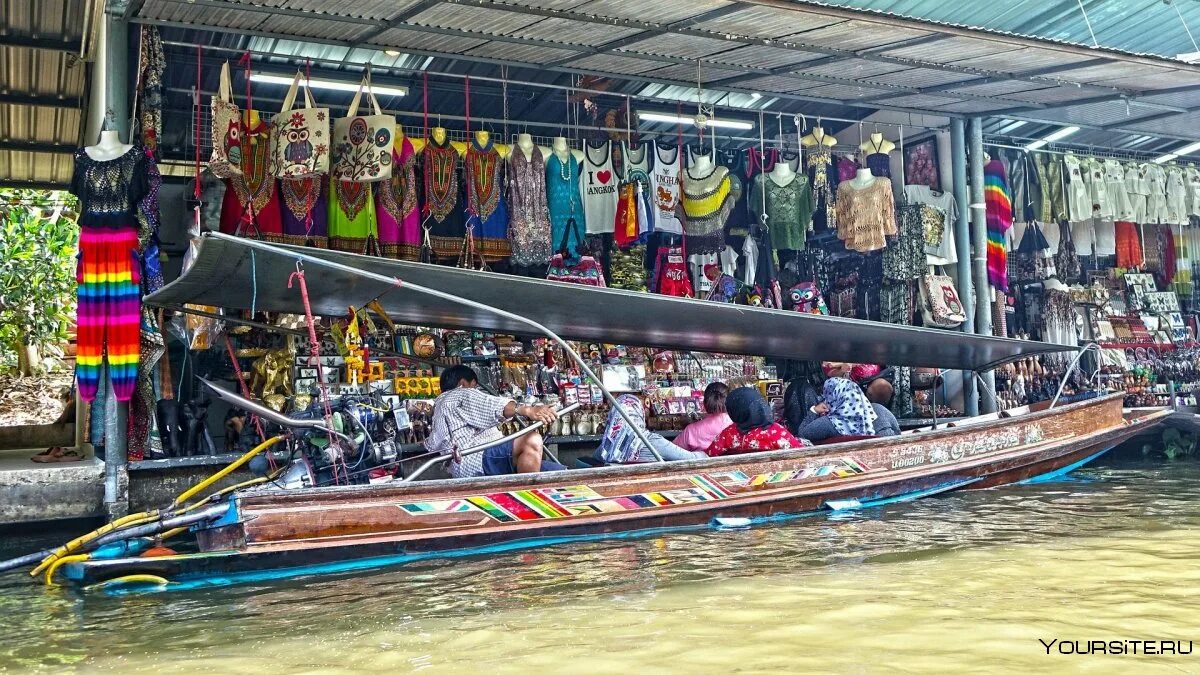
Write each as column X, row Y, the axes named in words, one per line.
column 265, row 532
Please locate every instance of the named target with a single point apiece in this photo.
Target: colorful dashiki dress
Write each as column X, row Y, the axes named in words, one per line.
column 486, row 214
column 305, row 211
column 396, row 206
column 251, row 206
column 352, row 225
column 442, row 195
column 108, row 271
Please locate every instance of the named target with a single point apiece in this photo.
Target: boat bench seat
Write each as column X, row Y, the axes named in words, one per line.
column 590, row 462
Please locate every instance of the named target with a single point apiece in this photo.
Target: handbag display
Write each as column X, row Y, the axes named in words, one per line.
column 362, row 144
column 301, row 137
column 586, row 271
column 227, row 132
column 940, row 305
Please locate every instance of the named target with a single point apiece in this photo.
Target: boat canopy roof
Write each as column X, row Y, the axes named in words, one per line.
column 238, row 274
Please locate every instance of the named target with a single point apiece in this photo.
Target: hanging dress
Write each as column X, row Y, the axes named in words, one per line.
column 666, row 189
column 638, row 169
column 108, row 269
column 305, row 211
column 737, row 225
column 822, row 176
column 706, row 201
column 442, row 195
column 352, row 224
column 1079, row 199
column 998, row 206
column 396, row 206
column 528, row 210
column 251, row 207
column 566, row 207
column 484, row 170
column 788, row 208
column 598, row 183
column 879, row 162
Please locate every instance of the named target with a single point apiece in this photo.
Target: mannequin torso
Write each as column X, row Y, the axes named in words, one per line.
column 564, row 151
column 818, row 137
column 702, row 166
column 526, row 145
column 864, row 178
column 782, row 175
column 877, row 144
column 109, row 148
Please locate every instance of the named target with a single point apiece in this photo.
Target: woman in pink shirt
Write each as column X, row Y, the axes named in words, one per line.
column 700, row 434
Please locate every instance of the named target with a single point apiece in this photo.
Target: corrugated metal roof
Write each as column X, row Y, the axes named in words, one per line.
column 42, row 83
column 1151, row 27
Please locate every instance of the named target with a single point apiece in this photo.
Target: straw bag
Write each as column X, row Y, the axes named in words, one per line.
column 362, row 144
column 940, row 305
column 301, row 137
column 226, row 160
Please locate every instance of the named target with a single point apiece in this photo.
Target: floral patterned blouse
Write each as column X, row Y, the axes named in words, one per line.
column 771, row 437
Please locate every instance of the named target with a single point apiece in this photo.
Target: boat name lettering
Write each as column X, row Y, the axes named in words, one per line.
column 949, row 451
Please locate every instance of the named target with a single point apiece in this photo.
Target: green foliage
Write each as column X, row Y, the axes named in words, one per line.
column 1174, row 445
column 38, row 241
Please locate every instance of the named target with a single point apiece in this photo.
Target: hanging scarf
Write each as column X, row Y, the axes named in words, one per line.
column 620, row 443
column 849, row 410
column 999, row 218
column 748, row 409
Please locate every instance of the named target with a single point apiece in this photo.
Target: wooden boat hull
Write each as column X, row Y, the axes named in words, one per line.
column 277, row 534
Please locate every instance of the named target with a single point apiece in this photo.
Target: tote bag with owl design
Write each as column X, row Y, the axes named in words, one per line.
column 362, row 144
column 301, row 137
column 226, row 160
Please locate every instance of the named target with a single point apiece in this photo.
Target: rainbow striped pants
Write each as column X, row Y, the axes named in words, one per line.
column 109, row 312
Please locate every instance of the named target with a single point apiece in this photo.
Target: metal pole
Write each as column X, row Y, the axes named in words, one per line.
column 962, row 242
column 983, row 290
column 303, row 257
column 116, row 113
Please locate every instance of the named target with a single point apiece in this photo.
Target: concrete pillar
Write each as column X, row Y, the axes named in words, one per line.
column 983, row 290
column 962, row 242
column 114, row 61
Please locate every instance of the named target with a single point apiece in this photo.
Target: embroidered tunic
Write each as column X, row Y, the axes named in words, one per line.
column 789, row 209
column 484, row 171
column 866, row 215
column 396, row 206
column 705, row 202
column 442, row 195
column 528, row 210
column 352, row 224
column 305, row 211
column 253, row 196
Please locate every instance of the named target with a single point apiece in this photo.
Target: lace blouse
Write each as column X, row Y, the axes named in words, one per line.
column 789, row 209
column 706, row 202
column 866, row 216
column 109, row 191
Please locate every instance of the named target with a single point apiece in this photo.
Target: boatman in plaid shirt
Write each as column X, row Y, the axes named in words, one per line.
column 465, row 416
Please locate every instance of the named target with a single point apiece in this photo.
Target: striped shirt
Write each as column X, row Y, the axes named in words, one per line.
column 462, row 418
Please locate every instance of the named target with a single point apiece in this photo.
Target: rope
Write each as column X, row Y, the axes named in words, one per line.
column 253, row 286
column 314, row 345
column 1088, row 21
column 425, row 109
column 1185, row 26
column 467, row 95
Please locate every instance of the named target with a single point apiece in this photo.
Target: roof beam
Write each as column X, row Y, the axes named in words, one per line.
column 36, row 146
column 1063, row 67
column 41, row 100
column 399, row 19
column 48, row 44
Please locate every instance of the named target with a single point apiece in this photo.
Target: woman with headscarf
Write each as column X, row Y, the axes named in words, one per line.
column 619, row 443
column 754, row 428
column 844, row 409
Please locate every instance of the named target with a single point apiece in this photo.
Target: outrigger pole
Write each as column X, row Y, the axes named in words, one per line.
column 305, row 258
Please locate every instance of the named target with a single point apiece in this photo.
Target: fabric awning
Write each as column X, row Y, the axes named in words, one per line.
column 239, row 274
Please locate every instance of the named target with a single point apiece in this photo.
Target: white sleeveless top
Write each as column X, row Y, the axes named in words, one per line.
column 666, row 190
column 598, row 185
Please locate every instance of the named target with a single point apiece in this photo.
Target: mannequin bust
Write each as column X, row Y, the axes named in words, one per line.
column 109, row 148
column 702, row 166
column 438, row 134
column 862, row 179
column 782, row 175
column 560, row 148
column 526, row 145
column 877, row 143
column 818, row 137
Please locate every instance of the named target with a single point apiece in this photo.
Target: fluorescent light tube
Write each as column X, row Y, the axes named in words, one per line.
column 332, row 85
column 1187, row 149
column 689, row 121
column 1051, row 137
column 1166, row 158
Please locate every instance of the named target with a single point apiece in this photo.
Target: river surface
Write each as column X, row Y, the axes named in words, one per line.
column 966, row 582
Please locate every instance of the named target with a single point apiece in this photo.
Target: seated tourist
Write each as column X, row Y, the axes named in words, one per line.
column 753, row 427
column 886, row 423
column 844, row 409
column 465, row 416
column 700, row 434
column 619, row 443
column 876, row 382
